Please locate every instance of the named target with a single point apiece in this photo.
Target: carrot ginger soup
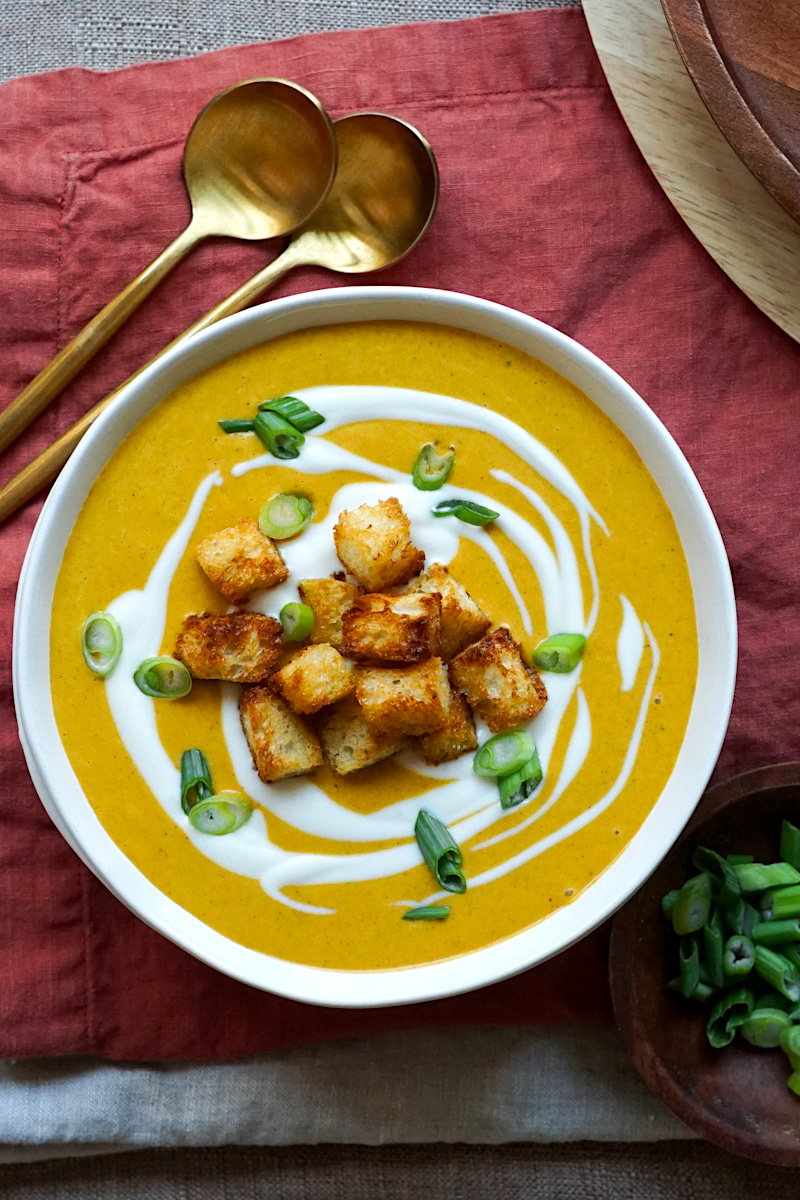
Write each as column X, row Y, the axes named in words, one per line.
column 327, row 865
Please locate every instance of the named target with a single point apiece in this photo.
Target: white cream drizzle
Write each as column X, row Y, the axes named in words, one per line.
column 465, row 802
column 630, row 645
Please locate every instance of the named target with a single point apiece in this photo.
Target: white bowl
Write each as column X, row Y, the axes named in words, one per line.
column 714, row 603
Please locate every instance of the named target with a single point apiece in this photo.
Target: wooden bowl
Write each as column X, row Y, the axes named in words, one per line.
column 736, row 1097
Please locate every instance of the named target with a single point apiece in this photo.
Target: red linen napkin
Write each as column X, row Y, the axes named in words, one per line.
column 547, row 206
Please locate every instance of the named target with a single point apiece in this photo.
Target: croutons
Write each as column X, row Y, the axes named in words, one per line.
column 399, row 700
column 374, row 543
column 240, row 560
column 454, row 738
column 240, row 647
column 329, row 600
column 317, row 676
column 499, row 686
column 392, row 628
column 350, row 744
column 462, row 621
column 280, row 742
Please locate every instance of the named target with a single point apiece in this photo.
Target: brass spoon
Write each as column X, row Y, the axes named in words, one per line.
column 258, row 161
column 382, row 201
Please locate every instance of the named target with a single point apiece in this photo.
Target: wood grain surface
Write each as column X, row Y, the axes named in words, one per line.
column 744, row 57
column 736, row 1097
column 752, row 237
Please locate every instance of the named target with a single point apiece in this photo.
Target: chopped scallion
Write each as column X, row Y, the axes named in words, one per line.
column 668, row 903
column 503, row 754
column 689, row 960
column 790, row 844
column 739, row 957
column 278, row 435
column 778, row 972
column 297, row 621
column 223, row 813
column 560, row 653
column 728, row 1014
column 440, row 852
column 775, row 933
column 692, row 906
column 780, row 903
column 756, row 877
column 466, row 511
column 432, row 469
column 764, row 1027
column 521, row 784
column 722, row 873
column 285, row 515
column 163, row 678
column 790, row 1045
column 713, row 942
column 235, row 426
column 427, row 912
column 101, row 642
column 293, row 410
column 196, row 782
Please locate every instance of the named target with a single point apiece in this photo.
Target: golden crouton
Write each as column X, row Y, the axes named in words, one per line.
column 398, row 700
column 329, row 600
column 392, row 628
column 373, row 542
column 349, row 743
column 502, row 689
column 454, row 738
column 280, row 742
column 240, row 647
column 317, row 676
column 240, row 560
column 462, row 621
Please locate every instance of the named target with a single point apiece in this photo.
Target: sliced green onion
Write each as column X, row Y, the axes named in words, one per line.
column 701, row 993
column 236, row 426
column 101, row 642
column 692, row 906
column 757, row 877
column 793, row 1083
column 790, row 1045
column 503, row 754
column 689, row 960
column 793, row 954
column 739, row 957
column 728, row 1014
column 722, row 873
column 775, row 1000
column 440, row 852
column 668, row 903
column 778, row 972
column 466, row 511
column 521, row 784
column 713, row 942
column 285, row 515
column 560, row 653
column 431, row 469
column 281, row 439
column 427, row 912
column 196, row 782
column 790, row 844
column 742, row 917
column 164, row 678
column 297, row 621
column 764, row 1027
column 780, row 903
column 738, row 860
column 293, row 410
column 223, row 813
column 774, row 933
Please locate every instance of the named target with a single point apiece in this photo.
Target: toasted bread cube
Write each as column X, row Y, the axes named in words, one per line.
column 239, row 647
column 501, row 688
column 454, row 738
column 280, row 742
column 374, row 543
column 317, row 676
column 350, row 744
column 329, row 600
column 405, row 700
column 392, row 628
column 240, row 560
column 462, row 621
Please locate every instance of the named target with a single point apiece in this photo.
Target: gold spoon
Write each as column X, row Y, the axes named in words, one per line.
column 258, row 161
column 382, row 201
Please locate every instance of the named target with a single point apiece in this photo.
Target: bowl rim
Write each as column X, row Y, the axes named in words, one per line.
column 335, row 987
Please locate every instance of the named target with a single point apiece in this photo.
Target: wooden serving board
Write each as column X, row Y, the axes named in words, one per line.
column 752, row 237
column 744, row 57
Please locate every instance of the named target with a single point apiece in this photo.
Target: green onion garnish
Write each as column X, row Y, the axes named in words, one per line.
column 521, row 784
column 764, row 1027
column 728, row 1014
column 560, row 653
column 692, row 906
column 163, row 678
column 739, row 957
column 723, row 875
column 295, row 411
column 713, row 943
column 465, row 510
column 440, row 852
column 755, row 877
column 281, row 439
column 503, row 754
column 427, row 912
column 780, row 903
column 297, row 621
column 431, row 469
column 195, row 779
column 778, row 972
column 101, row 642
column 742, row 917
column 224, row 813
column 775, row 933
column 244, row 426
column 689, row 960
column 790, row 844
column 285, row 516
column 736, row 860
column 790, row 1045
column 668, row 903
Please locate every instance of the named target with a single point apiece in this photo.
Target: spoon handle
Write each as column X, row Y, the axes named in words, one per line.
column 44, row 468
column 68, row 362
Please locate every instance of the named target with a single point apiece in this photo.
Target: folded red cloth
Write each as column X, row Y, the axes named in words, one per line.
column 546, row 206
